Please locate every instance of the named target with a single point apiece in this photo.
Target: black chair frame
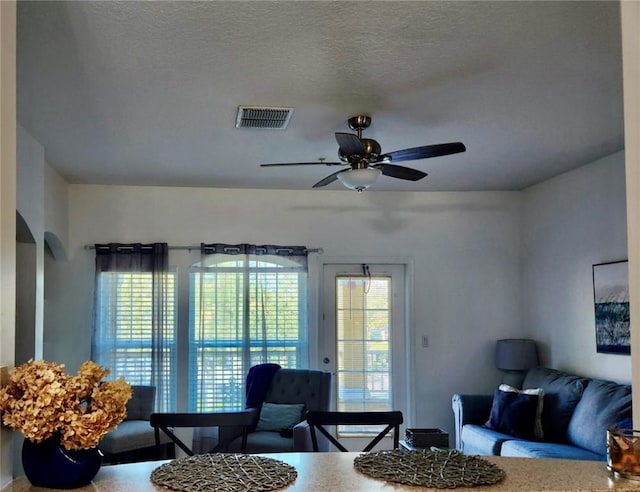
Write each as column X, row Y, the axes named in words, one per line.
column 392, row 420
column 166, row 421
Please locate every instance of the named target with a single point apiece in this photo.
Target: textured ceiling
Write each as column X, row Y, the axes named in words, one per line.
column 147, row 92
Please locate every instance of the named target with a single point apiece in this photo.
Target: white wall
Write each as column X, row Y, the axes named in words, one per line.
column 570, row 223
column 30, row 205
column 42, row 202
column 465, row 249
column 56, row 267
column 7, row 210
column 42, row 193
column 31, row 182
column 630, row 14
column 56, row 212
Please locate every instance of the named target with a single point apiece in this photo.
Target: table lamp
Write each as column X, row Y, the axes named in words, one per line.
column 515, row 356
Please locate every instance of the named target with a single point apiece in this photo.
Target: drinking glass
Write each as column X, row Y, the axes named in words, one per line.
column 623, row 453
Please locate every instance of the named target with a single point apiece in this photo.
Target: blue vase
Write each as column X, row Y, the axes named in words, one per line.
column 48, row 464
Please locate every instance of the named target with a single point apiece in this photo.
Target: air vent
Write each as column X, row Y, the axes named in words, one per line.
column 261, row 117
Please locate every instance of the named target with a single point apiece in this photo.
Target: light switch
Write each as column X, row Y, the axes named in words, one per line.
column 425, row 341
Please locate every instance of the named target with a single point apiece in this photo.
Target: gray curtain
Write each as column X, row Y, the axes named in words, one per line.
column 245, row 293
column 133, row 335
column 250, row 284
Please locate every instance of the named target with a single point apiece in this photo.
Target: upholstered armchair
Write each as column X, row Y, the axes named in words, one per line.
column 134, row 439
column 288, row 388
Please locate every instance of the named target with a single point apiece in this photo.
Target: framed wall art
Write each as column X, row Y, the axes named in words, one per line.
column 611, row 300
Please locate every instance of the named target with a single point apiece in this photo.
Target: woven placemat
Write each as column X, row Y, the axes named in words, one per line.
column 443, row 469
column 224, row 472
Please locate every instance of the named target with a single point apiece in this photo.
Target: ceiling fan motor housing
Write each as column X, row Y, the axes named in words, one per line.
column 372, row 148
column 372, row 151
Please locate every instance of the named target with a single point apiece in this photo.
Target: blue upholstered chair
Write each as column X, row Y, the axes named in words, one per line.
column 288, row 390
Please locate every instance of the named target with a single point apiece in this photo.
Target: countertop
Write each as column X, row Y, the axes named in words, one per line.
column 328, row 472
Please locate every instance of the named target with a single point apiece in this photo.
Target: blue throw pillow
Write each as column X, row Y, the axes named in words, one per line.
column 562, row 392
column 537, row 429
column 278, row 417
column 513, row 413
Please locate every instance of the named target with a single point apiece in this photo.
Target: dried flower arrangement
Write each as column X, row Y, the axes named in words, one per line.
column 42, row 400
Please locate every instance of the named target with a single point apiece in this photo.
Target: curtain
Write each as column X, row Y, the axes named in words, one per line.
column 251, row 309
column 134, row 332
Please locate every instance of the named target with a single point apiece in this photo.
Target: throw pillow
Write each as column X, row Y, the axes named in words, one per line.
column 537, row 429
column 562, row 392
column 279, row 416
column 513, row 413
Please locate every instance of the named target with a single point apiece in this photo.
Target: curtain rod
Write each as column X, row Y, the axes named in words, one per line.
column 189, row 248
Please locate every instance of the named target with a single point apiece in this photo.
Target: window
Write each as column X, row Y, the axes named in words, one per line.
column 241, row 305
column 124, row 336
column 244, row 310
column 364, row 351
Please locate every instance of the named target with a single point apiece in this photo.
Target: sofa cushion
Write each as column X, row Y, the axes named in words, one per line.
column 537, row 449
column 562, row 392
column 477, row 439
column 513, row 413
column 604, row 404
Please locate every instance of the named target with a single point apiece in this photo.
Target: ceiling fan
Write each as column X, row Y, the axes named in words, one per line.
column 366, row 161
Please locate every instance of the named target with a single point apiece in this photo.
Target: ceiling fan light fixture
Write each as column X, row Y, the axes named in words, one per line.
column 359, row 179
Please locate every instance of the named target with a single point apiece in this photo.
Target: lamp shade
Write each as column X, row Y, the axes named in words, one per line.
column 359, row 179
column 516, row 354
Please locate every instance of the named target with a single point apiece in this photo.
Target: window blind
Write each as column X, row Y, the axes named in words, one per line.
column 363, row 315
column 124, row 339
column 243, row 312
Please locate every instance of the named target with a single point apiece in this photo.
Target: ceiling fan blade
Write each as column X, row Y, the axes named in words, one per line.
column 400, row 172
column 304, row 164
column 329, row 179
column 350, row 144
column 424, row 152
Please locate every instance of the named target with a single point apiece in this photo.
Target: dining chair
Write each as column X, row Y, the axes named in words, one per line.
column 166, row 422
column 318, row 420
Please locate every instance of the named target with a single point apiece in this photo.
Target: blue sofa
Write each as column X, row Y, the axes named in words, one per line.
column 577, row 412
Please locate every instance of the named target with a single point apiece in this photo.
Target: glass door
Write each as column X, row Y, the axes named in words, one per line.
column 363, row 339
